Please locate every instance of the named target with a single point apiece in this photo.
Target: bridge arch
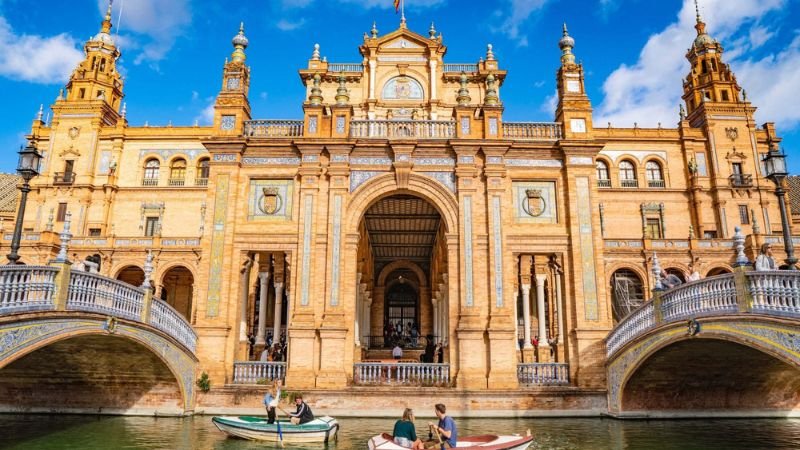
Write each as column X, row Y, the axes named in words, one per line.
column 719, row 364
column 117, row 366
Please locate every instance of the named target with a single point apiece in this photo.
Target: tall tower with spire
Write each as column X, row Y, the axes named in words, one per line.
column 232, row 107
column 574, row 108
column 96, row 84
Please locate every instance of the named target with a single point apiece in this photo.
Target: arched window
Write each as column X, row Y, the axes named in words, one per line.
column 655, row 179
column 177, row 172
column 203, row 168
column 627, row 293
column 627, row 175
column 151, row 168
column 603, row 179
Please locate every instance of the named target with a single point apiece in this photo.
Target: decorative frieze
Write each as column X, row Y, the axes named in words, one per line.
column 270, row 161
column 448, row 179
column 359, row 177
column 534, row 163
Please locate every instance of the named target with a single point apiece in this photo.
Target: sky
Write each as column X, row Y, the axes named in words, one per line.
column 173, row 52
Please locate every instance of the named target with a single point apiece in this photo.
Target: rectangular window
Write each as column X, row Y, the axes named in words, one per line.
column 151, row 226
column 710, row 234
column 744, row 215
column 702, row 168
column 653, row 229
column 94, row 232
column 62, row 212
column 725, row 96
column 82, row 93
column 737, row 168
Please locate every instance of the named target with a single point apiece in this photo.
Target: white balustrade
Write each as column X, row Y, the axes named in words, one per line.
column 258, row 372
column 631, row 326
column 775, row 292
column 273, row 128
column 95, row 293
column 543, row 374
column 166, row 319
column 26, row 288
column 345, row 67
column 402, row 129
column 714, row 295
column 458, row 68
column 402, row 373
column 532, row 131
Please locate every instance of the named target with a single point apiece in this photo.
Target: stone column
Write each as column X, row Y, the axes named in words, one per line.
column 276, row 329
column 526, row 315
column 543, row 351
column 559, row 310
column 359, row 312
column 516, row 319
column 367, row 313
column 244, row 293
column 433, row 79
column 436, row 314
column 373, row 65
column 261, row 336
column 363, row 316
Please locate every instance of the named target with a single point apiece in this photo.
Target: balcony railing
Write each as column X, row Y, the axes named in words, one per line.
column 629, row 183
column 273, row 128
column 772, row 292
column 345, row 67
column 201, row 182
column 740, row 180
column 603, row 183
column 177, row 181
column 532, row 131
column 458, row 68
column 149, row 181
column 543, row 374
column 258, row 372
column 402, row 129
column 656, row 184
column 64, row 178
column 401, row 373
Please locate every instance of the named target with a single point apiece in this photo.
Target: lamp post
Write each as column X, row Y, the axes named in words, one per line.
column 27, row 168
column 775, row 165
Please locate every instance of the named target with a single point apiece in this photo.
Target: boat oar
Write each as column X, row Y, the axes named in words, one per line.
column 277, row 421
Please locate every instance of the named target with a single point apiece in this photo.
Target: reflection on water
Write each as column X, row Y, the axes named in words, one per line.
column 43, row 432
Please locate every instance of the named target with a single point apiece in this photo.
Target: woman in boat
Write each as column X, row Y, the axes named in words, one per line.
column 271, row 400
column 405, row 435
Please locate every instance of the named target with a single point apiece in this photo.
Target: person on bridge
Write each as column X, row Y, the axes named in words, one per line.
column 765, row 261
column 669, row 280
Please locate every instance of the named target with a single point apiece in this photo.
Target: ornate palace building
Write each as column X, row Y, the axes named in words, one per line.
column 402, row 199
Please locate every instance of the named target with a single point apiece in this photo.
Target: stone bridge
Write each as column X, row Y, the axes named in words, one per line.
column 728, row 345
column 74, row 341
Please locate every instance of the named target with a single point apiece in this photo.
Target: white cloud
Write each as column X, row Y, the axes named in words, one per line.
column 518, row 13
column 153, row 24
column 287, row 25
column 206, row 115
column 650, row 91
column 386, row 4
column 56, row 56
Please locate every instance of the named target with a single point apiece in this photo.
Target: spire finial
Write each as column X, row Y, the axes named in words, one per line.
column 315, row 53
column 566, row 44
column 240, row 43
column 489, row 53
column 432, row 31
column 374, row 30
column 106, row 26
column 40, row 113
column 124, row 110
column 697, row 11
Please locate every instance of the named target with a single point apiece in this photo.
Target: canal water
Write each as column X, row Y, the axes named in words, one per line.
column 43, row 432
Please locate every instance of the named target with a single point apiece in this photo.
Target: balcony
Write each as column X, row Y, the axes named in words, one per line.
column 401, row 373
column 741, row 180
column 149, row 181
column 273, row 128
column 345, row 67
column 659, row 184
column 543, row 374
column 258, row 372
column 532, row 131
column 603, row 183
column 403, row 129
column 177, row 181
column 629, row 183
column 201, row 182
column 64, row 178
column 458, row 68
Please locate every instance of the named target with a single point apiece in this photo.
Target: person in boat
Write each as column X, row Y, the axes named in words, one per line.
column 271, row 400
column 446, row 427
column 303, row 413
column 405, row 435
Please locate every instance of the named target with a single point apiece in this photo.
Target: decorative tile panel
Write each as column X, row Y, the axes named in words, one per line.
column 270, row 200
column 434, row 161
column 312, row 124
column 587, row 249
column 498, row 251
column 337, row 238
column 227, row 122
column 340, row 158
column 270, row 161
column 340, row 124
column 584, row 160
column 448, row 179
column 465, row 125
column 359, row 177
column 370, row 161
column 534, row 163
column 468, row 250
column 217, row 245
column 225, row 157
column 534, row 201
column 495, row 160
column 167, row 154
column 466, row 159
column 308, row 211
column 492, row 126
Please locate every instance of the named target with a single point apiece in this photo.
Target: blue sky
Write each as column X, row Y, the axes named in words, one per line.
column 173, row 51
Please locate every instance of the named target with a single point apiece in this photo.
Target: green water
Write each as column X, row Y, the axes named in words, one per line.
column 102, row 432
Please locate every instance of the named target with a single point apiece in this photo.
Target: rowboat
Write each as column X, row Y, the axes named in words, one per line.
column 321, row 429
column 385, row 441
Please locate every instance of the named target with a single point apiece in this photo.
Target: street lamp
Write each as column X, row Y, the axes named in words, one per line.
column 27, row 168
column 775, row 167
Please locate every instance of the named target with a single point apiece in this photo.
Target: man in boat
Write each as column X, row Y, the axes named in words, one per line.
column 446, row 428
column 303, row 413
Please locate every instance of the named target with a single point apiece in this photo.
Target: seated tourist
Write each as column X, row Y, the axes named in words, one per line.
column 303, row 413
column 405, row 435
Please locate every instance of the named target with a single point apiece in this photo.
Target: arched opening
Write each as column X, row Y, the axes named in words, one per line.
column 406, row 251
column 627, row 174
column 177, row 286
column 177, row 172
column 712, row 374
column 90, row 373
column 603, row 178
column 151, row 171
column 132, row 275
column 717, row 271
column 627, row 293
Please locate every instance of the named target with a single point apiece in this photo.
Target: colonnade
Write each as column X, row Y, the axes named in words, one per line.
column 270, row 267
column 544, row 274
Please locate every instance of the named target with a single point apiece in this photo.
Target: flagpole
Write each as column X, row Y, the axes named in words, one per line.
column 403, row 11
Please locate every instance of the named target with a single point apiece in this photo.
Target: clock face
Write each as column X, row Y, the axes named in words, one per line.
column 578, row 125
column 233, row 83
column 573, row 86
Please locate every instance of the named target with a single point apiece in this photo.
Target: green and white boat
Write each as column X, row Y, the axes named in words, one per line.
column 321, row 429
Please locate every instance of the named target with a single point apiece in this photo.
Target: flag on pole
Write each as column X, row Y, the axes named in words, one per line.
column 396, row 6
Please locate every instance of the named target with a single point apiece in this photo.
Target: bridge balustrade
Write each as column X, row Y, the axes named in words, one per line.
column 401, row 373
column 26, row 288
column 96, row 293
column 543, row 374
column 745, row 292
column 255, row 372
